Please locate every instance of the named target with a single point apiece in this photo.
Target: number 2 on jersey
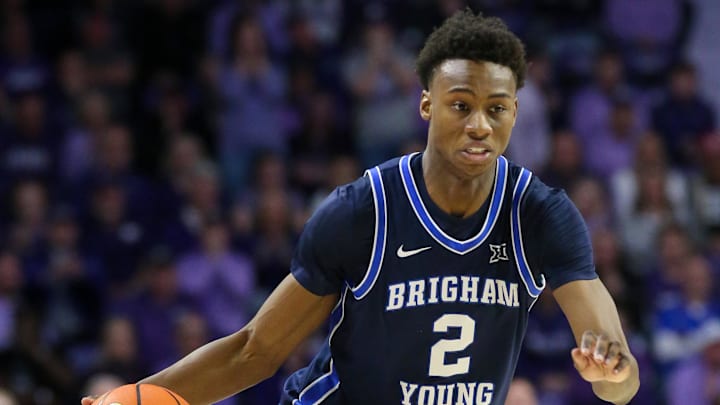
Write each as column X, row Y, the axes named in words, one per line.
column 438, row 367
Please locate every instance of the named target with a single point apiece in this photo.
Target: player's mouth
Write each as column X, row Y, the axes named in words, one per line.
column 476, row 154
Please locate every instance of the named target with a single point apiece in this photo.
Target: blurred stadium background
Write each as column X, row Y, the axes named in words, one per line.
column 158, row 159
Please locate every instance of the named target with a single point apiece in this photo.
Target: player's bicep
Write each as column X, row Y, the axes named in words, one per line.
column 587, row 305
column 288, row 316
column 566, row 247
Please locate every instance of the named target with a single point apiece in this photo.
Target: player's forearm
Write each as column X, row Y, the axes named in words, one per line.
column 619, row 393
column 216, row 370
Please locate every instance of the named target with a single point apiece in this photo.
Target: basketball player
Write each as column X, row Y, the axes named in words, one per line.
column 428, row 266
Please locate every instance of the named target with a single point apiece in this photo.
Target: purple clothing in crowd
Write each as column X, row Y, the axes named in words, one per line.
column 223, row 287
column 688, row 384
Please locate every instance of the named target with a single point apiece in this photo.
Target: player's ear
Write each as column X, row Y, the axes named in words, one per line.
column 425, row 105
column 515, row 111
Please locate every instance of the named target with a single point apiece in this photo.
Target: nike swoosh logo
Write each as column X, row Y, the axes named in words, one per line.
column 408, row 253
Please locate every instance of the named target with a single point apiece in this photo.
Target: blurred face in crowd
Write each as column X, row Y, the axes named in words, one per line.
column 674, row 244
column 566, row 152
column 119, row 340
column 650, row 152
column 622, row 120
column 521, row 392
column 343, row 170
column 697, row 280
column 683, row 84
column 184, row 154
column 271, row 173
column 204, row 189
column 471, row 107
column 609, row 70
column 379, row 41
column 11, row 277
column 651, row 191
column 605, row 248
column 64, row 233
column 30, row 115
column 249, row 39
column 116, row 149
column 110, row 205
column 710, row 158
column 273, row 212
column 97, row 32
column 72, row 72
column 711, row 354
column 589, row 197
column 95, row 111
column 322, row 113
column 163, row 281
column 16, row 37
column 191, row 332
column 30, row 203
column 215, row 238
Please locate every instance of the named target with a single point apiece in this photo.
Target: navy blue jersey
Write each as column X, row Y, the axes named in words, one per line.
column 433, row 308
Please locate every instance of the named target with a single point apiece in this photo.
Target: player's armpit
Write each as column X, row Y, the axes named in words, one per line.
column 603, row 356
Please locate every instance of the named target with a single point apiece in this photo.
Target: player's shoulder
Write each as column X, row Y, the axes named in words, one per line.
column 345, row 200
column 389, row 167
column 539, row 198
column 353, row 202
column 361, row 188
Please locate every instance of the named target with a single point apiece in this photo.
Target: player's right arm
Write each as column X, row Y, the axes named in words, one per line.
column 233, row 363
column 330, row 244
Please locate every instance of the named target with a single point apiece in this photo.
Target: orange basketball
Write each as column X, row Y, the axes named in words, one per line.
column 140, row 394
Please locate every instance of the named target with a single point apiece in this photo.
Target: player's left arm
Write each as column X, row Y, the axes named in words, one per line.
column 602, row 356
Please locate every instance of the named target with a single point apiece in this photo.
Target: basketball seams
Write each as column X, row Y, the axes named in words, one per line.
column 177, row 401
column 138, row 397
column 133, row 394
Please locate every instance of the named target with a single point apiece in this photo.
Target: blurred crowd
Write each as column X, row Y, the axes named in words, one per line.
column 158, row 159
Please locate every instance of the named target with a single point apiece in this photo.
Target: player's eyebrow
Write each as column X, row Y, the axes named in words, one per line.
column 461, row 89
column 465, row 89
column 500, row 95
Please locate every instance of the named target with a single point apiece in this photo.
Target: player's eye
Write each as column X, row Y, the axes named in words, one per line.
column 459, row 106
column 498, row 109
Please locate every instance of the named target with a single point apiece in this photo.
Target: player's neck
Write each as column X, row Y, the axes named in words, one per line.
column 454, row 194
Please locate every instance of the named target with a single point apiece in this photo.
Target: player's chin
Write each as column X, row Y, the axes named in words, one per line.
column 472, row 169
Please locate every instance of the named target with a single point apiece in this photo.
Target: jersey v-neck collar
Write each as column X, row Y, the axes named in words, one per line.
column 415, row 196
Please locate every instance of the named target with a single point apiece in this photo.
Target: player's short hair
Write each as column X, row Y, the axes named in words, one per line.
column 467, row 35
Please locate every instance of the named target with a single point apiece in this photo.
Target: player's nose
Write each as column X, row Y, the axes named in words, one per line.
column 478, row 125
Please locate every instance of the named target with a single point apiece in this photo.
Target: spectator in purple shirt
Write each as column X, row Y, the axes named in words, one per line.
column 155, row 306
column 220, row 280
column 683, row 116
column 611, row 148
column 697, row 381
column 648, row 32
column 252, row 89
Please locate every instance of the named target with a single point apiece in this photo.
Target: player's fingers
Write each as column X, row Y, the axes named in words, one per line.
column 587, row 342
column 613, row 355
column 87, row 400
column 601, row 348
column 623, row 365
column 580, row 361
